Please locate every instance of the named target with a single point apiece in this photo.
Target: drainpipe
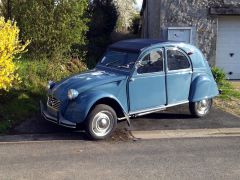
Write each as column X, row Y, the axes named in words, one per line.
column 160, row 33
column 147, row 3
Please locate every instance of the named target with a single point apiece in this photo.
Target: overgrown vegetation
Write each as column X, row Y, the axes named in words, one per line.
column 126, row 10
column 22, row 101
column 103, row 17
column 229, row 99
column 226, row 88
column 53, row 26
column 57, row 30
column 65, row 36
column 135, row 24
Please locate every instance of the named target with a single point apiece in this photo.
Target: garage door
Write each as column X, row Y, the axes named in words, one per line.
column 228, row 46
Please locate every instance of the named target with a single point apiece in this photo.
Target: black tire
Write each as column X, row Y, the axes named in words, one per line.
column 101, row 122
column 200, row 108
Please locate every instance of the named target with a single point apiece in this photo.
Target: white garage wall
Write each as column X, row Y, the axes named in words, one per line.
column 228, row 46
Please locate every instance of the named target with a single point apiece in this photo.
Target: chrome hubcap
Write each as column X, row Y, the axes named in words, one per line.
column 203, row 106
column 102, row 123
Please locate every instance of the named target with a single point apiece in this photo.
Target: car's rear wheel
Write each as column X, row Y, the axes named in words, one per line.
column 200, row 108
column 101, row 122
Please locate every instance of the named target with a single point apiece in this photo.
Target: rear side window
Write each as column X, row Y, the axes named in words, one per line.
column 177, row 60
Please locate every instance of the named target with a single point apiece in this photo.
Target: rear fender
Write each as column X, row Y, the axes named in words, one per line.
column 203, row 87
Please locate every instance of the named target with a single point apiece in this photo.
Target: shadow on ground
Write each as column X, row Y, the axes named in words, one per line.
column 171, row 119
column 180, row 118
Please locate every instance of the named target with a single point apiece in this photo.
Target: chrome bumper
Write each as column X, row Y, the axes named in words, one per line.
column 60, row 120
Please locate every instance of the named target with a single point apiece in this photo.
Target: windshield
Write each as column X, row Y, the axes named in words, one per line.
column 119, row 59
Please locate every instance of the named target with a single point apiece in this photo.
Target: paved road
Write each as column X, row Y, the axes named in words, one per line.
column 53, row 152
column 174, row 118
column 205, row 158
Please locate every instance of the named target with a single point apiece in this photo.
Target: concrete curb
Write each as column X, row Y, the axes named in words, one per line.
column 187, row 133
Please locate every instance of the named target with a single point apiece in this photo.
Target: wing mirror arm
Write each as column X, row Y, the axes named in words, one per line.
column 139, row 64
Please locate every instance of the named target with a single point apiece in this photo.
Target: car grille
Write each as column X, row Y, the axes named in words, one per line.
column 53, row 103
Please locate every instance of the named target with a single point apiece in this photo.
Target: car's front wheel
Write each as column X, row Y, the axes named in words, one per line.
column 200, row 108
column 101, row 122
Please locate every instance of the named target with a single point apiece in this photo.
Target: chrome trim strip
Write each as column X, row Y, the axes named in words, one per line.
column 151, row 110
column 121, row 119
column 56, row 104
column 179, row 103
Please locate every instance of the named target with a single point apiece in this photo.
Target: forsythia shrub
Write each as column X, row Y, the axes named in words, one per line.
column 10, row 46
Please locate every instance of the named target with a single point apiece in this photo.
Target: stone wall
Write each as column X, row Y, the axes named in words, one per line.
column 192, row 13
column 231, row 2
column 187, row 13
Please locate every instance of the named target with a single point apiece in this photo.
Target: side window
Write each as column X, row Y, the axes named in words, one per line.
column 152, row 62
column 177, row 60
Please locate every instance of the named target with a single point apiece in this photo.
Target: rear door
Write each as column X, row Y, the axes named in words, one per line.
column 179, row 75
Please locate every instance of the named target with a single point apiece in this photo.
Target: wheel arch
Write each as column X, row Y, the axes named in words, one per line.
column 78, row 110
column 110, row 102
column 202, row 87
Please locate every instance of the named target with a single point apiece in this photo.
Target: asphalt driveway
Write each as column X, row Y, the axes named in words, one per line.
column 172, row 119
column 179, row 118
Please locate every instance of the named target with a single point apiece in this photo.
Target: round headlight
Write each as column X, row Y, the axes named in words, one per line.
column 72, row 94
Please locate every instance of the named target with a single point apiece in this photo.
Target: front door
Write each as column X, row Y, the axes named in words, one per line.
column 179, row 76
column 147, row 88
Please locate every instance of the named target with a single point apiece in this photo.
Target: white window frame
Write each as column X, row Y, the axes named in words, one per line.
column 183, row 28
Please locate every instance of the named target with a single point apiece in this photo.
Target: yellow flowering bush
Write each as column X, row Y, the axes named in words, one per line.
column 10, row 46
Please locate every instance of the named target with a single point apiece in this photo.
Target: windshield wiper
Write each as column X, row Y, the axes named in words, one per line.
column 110, row 63
column 127, row 66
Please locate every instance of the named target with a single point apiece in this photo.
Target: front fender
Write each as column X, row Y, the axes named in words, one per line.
column 78, row 109
column 203, row 87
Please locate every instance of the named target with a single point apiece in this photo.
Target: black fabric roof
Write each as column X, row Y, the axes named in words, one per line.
column 135, row 44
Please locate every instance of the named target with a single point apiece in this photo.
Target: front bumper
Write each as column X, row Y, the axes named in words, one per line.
column 59, row 119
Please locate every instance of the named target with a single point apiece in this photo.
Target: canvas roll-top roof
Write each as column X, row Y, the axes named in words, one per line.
column 135, row 45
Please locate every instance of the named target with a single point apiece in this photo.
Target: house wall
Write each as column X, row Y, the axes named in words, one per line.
column 151, row 16
column 144, row 22
column 231, row 2
column 186, row 13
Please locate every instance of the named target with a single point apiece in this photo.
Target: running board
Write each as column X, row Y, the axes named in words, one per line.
column 149, row 111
